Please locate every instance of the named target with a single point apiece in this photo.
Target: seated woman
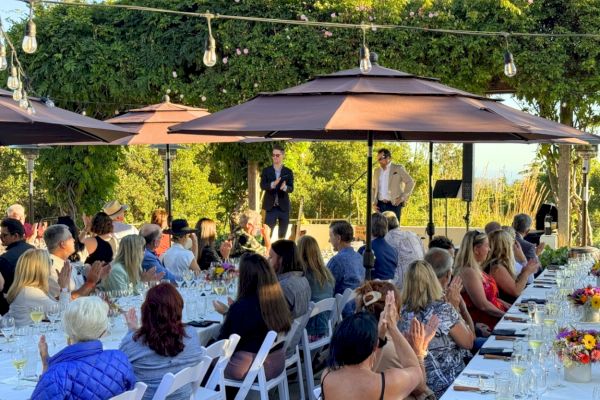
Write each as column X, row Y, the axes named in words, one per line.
column 260, row 307
column 178, row 259
column 370, row 297
column 162, row 343
column 284, row 259
column 207, row 235
column 127, row 265
column 30, row 286
column 83, row 370
column 320, row 280
column 423, row 298
column 500, row 265
column 99, row 246
column 480, row 289
column 160, row 217
column 386, row 257
column 353, row 352
column 244, row 240
column 81, row 253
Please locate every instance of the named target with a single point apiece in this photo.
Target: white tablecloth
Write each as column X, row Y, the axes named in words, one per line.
column 570, row 390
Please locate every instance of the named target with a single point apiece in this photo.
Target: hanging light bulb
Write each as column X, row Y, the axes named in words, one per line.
column 18, row 92
column 29, row 40
column 365, row 56
column 510, row 69
column 210, row 48
column 13, row 79
column 3, row 62
column 24, row 103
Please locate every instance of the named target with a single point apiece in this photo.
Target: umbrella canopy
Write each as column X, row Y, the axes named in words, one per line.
column 393, row 105
column 151, row 124
column 50, row 125
column 386, row 105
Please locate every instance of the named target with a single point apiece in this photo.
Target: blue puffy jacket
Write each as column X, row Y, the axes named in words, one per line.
column 86, row 372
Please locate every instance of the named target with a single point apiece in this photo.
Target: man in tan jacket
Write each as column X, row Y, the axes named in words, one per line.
column 391, row 185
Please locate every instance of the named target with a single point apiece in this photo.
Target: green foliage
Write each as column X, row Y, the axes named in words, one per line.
column 554, row 257
column 13, row 178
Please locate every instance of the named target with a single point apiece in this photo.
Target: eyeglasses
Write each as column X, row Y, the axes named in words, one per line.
column 276, row 155
column 381, row 159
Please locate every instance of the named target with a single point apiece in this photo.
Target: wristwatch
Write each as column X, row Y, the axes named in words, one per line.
column 382, row 342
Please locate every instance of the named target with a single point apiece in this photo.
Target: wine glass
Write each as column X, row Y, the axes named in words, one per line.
column 188, row 276
column 219, row 287
column 539, row 382
column 36, row 313
column 518, row 367
column 531, row 310
column 535, row 338
column 19, row 360
column 53, row 313
column 7, row 327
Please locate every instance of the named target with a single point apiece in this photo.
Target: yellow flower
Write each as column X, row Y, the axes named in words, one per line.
column 596, row 301
column 219, row 270
column 589, row 341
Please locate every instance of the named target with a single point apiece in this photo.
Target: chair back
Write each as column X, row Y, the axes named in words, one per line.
column 172, row 382
column 257, row 364
column 326, row 305
column 134, row 394
column 317, row 392
column 221, row 350
column 341, row 300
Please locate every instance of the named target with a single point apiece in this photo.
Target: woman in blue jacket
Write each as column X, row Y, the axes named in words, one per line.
column 83, row 370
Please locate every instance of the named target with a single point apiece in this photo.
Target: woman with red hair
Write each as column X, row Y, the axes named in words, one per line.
column 162, row 343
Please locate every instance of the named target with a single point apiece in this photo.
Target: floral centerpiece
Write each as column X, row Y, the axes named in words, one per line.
column 577, row 349
column 589, row 298
column 595, row 269
column 219, row 270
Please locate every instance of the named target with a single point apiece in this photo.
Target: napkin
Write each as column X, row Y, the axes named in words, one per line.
column 497, row 351
column 507, row 332
column 538, row 301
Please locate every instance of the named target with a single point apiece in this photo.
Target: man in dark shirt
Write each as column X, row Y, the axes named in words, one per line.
column 12, row 234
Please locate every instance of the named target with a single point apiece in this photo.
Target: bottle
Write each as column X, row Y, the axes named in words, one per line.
column 548, row 224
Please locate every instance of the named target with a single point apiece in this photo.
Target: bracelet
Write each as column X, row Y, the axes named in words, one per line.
column 423, row 355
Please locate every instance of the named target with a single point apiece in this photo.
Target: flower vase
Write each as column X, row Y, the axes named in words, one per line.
column 590, row 314
column 578, row 372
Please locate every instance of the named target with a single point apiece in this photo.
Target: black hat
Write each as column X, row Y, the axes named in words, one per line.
column 179, row 227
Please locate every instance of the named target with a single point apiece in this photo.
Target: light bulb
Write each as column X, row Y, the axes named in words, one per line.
column 24, row 103
column 365, row 60
column 13, row 79
column 3, row 62
column 30, row 109
column 29, row 41
column 510, row 69
column 210, row 52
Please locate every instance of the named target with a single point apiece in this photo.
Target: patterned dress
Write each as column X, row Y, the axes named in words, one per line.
column 491, row 294
column 444, row 361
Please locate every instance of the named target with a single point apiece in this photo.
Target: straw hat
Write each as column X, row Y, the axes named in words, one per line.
column 114, row 208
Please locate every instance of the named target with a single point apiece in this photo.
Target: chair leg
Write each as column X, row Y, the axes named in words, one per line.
column 310, row 382
column 283, row 389
column 300, row 378
column 264, row 393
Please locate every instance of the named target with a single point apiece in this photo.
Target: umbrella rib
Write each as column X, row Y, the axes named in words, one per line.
column 91, row 135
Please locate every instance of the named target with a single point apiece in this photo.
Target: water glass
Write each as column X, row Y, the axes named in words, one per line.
column 19, row 360
column 539, row 382
column 540, row 314
column 7, row 327
column 503, row 385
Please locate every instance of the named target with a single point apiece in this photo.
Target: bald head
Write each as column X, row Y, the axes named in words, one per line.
column 151, row 234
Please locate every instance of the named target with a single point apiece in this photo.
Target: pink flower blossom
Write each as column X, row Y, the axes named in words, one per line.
column 238, row 52
column 304, row 17
column 430, row 15
column 245, row 51
column 333, row 15
column 327, row 34
column 412, row 14
column 530, row 1
column 225, row 60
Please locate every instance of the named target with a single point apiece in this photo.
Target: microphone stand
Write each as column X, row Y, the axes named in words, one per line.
column 349, row 190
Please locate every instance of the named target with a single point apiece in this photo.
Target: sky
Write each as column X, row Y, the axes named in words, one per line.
column 491, row 160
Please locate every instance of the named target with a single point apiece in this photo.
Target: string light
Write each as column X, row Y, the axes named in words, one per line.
column 510, row 69
column 210, row 47
column 3, row 62
column 29, row 40
column 365, row 56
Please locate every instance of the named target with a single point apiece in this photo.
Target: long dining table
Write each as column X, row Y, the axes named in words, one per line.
column 476, row 381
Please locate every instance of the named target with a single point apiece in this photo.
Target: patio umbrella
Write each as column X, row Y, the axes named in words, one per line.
column 151, row 123
column 50, row 125
column 386, row 105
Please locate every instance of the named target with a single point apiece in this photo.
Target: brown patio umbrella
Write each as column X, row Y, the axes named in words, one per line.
column 50, row 125
column 384, row 104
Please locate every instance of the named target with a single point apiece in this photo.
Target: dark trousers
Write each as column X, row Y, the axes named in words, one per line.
column 390, row 207
column 276, row 214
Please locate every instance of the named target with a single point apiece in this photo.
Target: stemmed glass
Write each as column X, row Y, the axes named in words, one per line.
column 539, row 382
column 535, row 338
column 7, row 327
column 531, row 310
column 518, row 367
column 53, row 313
column 19, row 360
column 219, row 287
column 36, row 313
column 188, row 276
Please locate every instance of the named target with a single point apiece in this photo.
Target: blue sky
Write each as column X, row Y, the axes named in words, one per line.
column 491, row 160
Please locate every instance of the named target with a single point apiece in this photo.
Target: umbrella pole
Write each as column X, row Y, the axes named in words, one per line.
column 430, row 224
column 168, row 175
column 368, row 258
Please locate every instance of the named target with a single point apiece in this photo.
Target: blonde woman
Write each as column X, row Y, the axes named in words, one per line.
column 207, row 235
column 423, row 299
column 320, row 279
column 500, row 265
column 127, row 265
column 480, row 289
column 30, row 286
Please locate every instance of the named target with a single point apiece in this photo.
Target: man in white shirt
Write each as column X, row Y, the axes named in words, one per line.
column 391, row 185
column 408, row 245
column 116, row 211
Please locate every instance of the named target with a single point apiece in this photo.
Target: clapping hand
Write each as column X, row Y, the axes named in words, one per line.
column 453, row 292
column 64, row 275
column 283, row 186
column 151, row 275
column 43, row 348
column 419, row 335
column 131, row 319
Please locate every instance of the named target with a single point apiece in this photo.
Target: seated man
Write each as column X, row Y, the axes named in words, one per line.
column 244, row 237
column 442, row 242
column 347, row 265
column 17, row 211
column 116, row 212
column 406, row 243
column 12, row 234
column 522, row 225
column 152, row 235
column 386, row 257
column 491, row 227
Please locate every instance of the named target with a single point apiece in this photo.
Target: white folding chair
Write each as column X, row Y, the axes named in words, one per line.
column 190, row 375
column 340, row 302
column 134, row 394
column 327, row 305
column 317, row 392
column 293, row 362
column 221, row 351
column 257, row 372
